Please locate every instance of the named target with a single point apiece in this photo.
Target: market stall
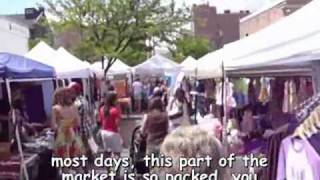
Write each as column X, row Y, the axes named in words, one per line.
column 120, row 75
column 156, row 65
column 67, row 66
column 272, row 79
column 117, row 68
column 18, row 69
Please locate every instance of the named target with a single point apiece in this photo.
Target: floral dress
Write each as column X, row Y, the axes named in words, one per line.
column 67, row 141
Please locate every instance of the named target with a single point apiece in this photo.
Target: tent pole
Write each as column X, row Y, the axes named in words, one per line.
column 57, row 83
column 16, row 130
column 196, row 98
column 224, row 105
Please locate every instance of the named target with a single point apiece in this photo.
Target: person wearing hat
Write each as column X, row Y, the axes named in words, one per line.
column 82, row 105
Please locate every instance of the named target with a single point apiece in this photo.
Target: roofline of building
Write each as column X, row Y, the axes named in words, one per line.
column 262, row 10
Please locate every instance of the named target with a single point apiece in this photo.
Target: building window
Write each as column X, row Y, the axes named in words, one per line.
column 247, row 34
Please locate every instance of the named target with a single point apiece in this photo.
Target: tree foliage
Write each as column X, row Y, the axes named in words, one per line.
column 41, row 32
column 189, row 45
column 118, row 28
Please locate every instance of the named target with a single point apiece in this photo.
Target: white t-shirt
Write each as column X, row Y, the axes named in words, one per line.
column 137, row 87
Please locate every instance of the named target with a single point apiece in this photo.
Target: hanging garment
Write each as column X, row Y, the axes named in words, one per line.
column 247, row 124
column 310, row 90
column 302, row 94
column 230, row 101
column 298, row 160
column 257, row 85
column 241, row 85
column 293, row 99
column 209, row 89
column 219, row 94
column 285, row 104
column 264, row 93
column 241, row 92
column 252, row 97
column 274, row 143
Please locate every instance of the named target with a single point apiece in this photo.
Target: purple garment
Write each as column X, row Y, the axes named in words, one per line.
column 315, row 142
column 298, row 160
column 254, row 145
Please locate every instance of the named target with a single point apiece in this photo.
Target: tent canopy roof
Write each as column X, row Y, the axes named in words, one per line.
column 276, row 41
column 188, row 62
column 157, row 64
column 42, row 52
column 118, row 67
column 19, row 67
column 210, row 65
column 189, row 66
column 69, row 65
column 65, row 64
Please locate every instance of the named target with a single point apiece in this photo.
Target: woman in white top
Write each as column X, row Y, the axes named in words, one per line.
column 178, row 110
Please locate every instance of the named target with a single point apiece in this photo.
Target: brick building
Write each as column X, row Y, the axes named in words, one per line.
column 218, row 28
column 268, row 15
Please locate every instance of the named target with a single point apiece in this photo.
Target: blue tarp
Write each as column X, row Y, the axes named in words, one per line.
column 18, row 67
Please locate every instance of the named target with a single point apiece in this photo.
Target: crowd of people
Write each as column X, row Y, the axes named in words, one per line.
column 166, row 125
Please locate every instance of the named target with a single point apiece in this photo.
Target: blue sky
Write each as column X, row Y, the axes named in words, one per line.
column 16, row 6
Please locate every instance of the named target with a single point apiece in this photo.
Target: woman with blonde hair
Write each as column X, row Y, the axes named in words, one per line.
column 192, row 142
column 65, row 123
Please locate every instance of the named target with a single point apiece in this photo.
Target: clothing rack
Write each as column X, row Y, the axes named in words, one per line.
column 304, row 109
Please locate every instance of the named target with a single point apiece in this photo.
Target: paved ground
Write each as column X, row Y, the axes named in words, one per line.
column 128, row 124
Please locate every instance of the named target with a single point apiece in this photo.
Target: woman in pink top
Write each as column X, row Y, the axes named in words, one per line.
column 109, row 117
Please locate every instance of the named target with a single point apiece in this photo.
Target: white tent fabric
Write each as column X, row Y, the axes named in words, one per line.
column 189, row 66
column 65, row 64
column 297, row 52
column 210, row 65
column 156, row 65
column 117, row 68
column 72, row 67
column 42, row 52
column 287, row 31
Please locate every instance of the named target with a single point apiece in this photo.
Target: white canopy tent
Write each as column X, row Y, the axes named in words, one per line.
column 189, row 66
column 157, row 65
column 118, row 68
column 288, row 37
column 288, row 58
column 66, row 65
column 42, row 52
column 74, row 67
column 210, row 65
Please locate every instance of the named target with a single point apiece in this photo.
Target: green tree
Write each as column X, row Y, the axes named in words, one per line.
column 118, row 28
column 189, row 45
